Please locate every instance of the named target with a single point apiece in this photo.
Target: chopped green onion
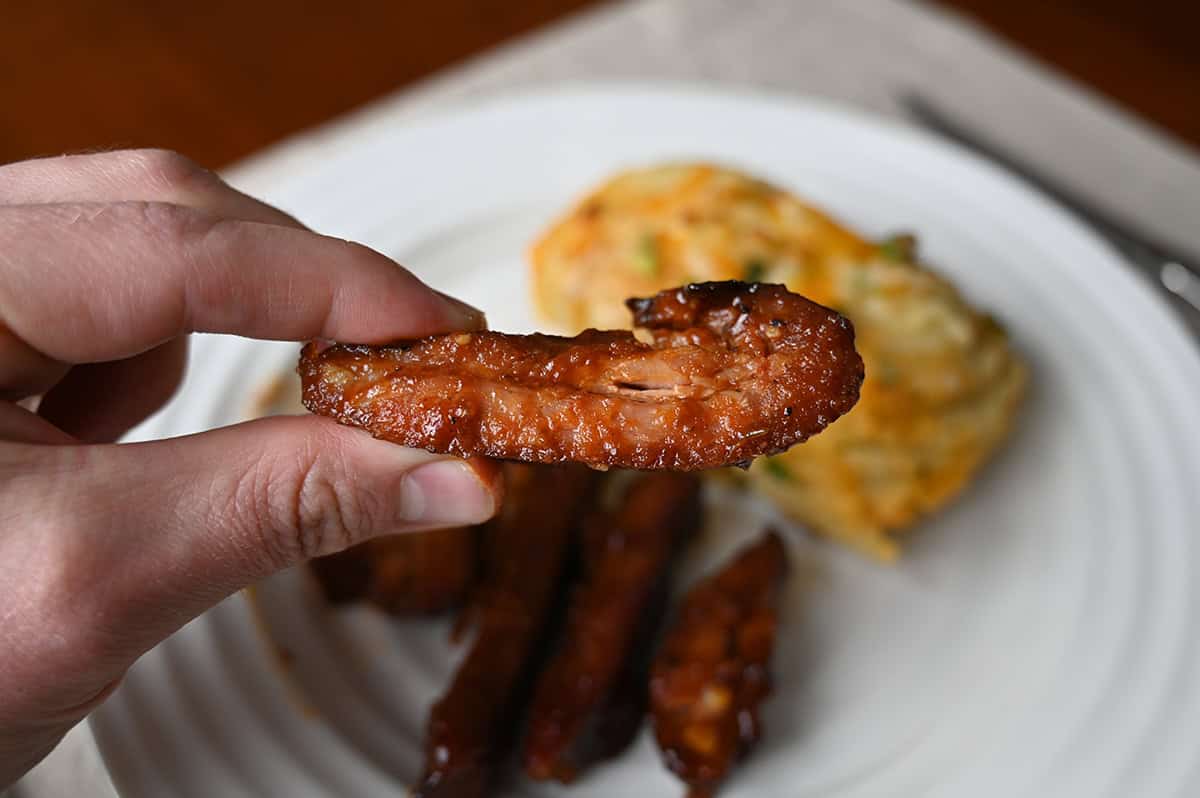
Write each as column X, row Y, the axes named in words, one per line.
column 755, row 270
column 645, row 257
column 777, row 469
column 901, row 248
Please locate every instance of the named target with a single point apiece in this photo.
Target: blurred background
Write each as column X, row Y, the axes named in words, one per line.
column 219, row 80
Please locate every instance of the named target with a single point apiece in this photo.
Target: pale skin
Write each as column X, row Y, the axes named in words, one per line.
column 107, row 263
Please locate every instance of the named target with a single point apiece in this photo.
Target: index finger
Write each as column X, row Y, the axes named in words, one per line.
column 93, row 282
column 128, row 175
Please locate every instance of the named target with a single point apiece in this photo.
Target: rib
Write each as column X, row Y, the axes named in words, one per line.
column 343, row 577
column 591, row 698
column 734, row 371
column 526, row 549
column 411, row 574
column 711, row 672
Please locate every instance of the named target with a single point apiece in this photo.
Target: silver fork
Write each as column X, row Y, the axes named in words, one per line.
column 1173, row 273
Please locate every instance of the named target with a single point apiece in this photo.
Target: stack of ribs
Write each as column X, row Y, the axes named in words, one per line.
column 568, row 590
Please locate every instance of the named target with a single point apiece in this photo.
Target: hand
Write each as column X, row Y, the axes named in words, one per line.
column 107, row 262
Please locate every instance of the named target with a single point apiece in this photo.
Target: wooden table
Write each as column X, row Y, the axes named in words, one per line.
column 221, row 79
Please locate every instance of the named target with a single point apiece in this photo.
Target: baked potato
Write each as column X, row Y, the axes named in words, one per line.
column 943, row 383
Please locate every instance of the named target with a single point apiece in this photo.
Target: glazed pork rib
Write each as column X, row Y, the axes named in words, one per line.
column 734, row 371
column 525, row 556
column 591, row 698
column 414, row 573
column 710, row 674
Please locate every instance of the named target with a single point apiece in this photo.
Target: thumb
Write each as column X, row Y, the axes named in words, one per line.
column 178, row 524
column 111, row 548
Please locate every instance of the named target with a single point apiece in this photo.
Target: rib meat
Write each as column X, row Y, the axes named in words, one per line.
column 734, row 371
column 526, row 550
column 413, row 573
column 710, row 675
column 591, row 698
column 431, row 574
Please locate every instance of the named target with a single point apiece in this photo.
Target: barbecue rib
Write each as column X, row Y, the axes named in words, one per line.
column 413, row 573
column 735, row 370
column 526, row 548
column 591, row 698
column 710, row 675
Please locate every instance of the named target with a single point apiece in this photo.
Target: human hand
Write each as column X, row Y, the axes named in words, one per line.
column 107, row 262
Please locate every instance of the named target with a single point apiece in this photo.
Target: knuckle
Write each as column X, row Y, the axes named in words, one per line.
column 307, row 502
column 175, row 224
column 170, row 172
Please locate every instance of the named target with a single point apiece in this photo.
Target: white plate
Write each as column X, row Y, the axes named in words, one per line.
column 1039, row 639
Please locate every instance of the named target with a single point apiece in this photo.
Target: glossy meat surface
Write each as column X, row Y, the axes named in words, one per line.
column 526, row 547
column 735, row 370
column 711, row 672
column 591, row 698
column 413, row 573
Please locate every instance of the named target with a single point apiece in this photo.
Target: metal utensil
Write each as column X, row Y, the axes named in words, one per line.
column 1172, row 271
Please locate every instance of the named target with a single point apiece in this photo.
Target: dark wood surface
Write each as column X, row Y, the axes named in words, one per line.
column 221, row 79
column 1145, row 54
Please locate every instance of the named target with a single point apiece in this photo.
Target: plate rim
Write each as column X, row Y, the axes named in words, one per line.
column 341, row 132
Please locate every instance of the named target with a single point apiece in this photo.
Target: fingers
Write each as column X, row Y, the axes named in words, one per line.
column 108, row 549
column 100, row 402
column 87, row 283
column 24, row 371
column 20, row 425
column 131, row 175
column 172, row 526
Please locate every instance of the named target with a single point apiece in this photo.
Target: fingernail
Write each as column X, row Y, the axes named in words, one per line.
column 446, row 492
column 468, row 316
